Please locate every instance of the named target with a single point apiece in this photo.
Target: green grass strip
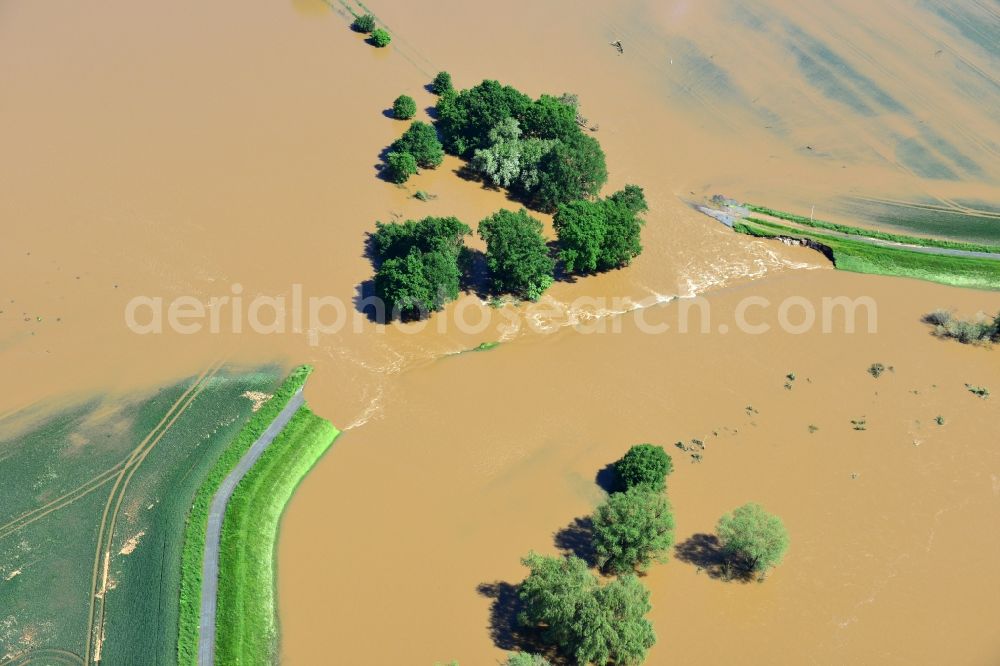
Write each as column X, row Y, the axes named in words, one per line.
column 872, row 233
column 194, row 531
column 247, row 623
column 860, row 257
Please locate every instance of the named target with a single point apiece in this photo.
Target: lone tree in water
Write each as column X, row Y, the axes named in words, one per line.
column 442, row 83
column 381, row 38
column 645, row 465
column 752, row 538
column 404, row 107
column 632, row 530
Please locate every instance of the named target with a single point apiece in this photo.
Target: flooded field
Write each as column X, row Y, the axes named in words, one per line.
column 226, row 149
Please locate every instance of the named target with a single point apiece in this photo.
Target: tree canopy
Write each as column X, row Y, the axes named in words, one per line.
column 535, row 148
column 646, row 466
column 364, row 23
column 602, row 234
column 442, row 83
column 632, row 530
column 381, row 37
column 421, row 141
column 516, row 254
column 417, row 264
column 588, row 622
column 752, row 537
column 404, row 107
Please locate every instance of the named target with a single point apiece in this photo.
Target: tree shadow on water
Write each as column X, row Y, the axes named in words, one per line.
column 608, row 480
column 506, row 632
column 705, row 552
column 577, row 538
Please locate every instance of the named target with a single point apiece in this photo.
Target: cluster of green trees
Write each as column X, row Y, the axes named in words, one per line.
column 534, row 148
column 590, row 622
column 981, row 330
column 516, row 254
column 418, row 148
column 418, row 264
column 585, row 620
column 601, row 234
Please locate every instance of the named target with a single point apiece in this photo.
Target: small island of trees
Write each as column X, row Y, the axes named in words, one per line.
column 538, row 151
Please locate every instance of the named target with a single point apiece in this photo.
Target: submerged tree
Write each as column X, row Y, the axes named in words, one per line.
column 417, row 264
column 381, row 38
column 603, row 234
column 400, row 166
column 646, row 466
column 364, row 23
column 590, row 623
column 632, row 530
column 442, row 83
column 753, row 538
column 420, row 140
column 516, row 254
column 404, row 107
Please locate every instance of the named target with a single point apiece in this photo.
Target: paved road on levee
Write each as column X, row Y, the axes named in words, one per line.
column 213, row 534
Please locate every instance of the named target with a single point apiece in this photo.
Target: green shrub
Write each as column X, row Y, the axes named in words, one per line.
column 600, row 235
column 404, row 107
column 364, row 23
column 646, row 466
column 526, row 659
column 442, row 83
column 381, row 38
column 401, row 165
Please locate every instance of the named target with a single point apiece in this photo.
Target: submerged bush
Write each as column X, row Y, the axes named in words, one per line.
column 381, row 38
column 980, row 330
column 404, row 107
column 364, row 23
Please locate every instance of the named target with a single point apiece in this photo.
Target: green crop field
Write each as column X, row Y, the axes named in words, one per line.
column 861, row 257
column 93, row 502
column 247, row 621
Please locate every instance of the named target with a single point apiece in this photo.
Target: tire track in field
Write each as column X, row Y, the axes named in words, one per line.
column 51, row 656
column 96, row 481
column 105, row 535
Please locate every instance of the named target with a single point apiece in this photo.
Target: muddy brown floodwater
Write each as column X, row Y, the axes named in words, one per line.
column 182, row 149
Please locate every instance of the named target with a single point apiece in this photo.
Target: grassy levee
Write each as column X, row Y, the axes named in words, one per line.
column 873, row 233
column 194, row 533
column 861, row 257
column 247, row 625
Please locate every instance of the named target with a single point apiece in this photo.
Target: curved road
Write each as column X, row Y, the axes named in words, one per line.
column 213, row 534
